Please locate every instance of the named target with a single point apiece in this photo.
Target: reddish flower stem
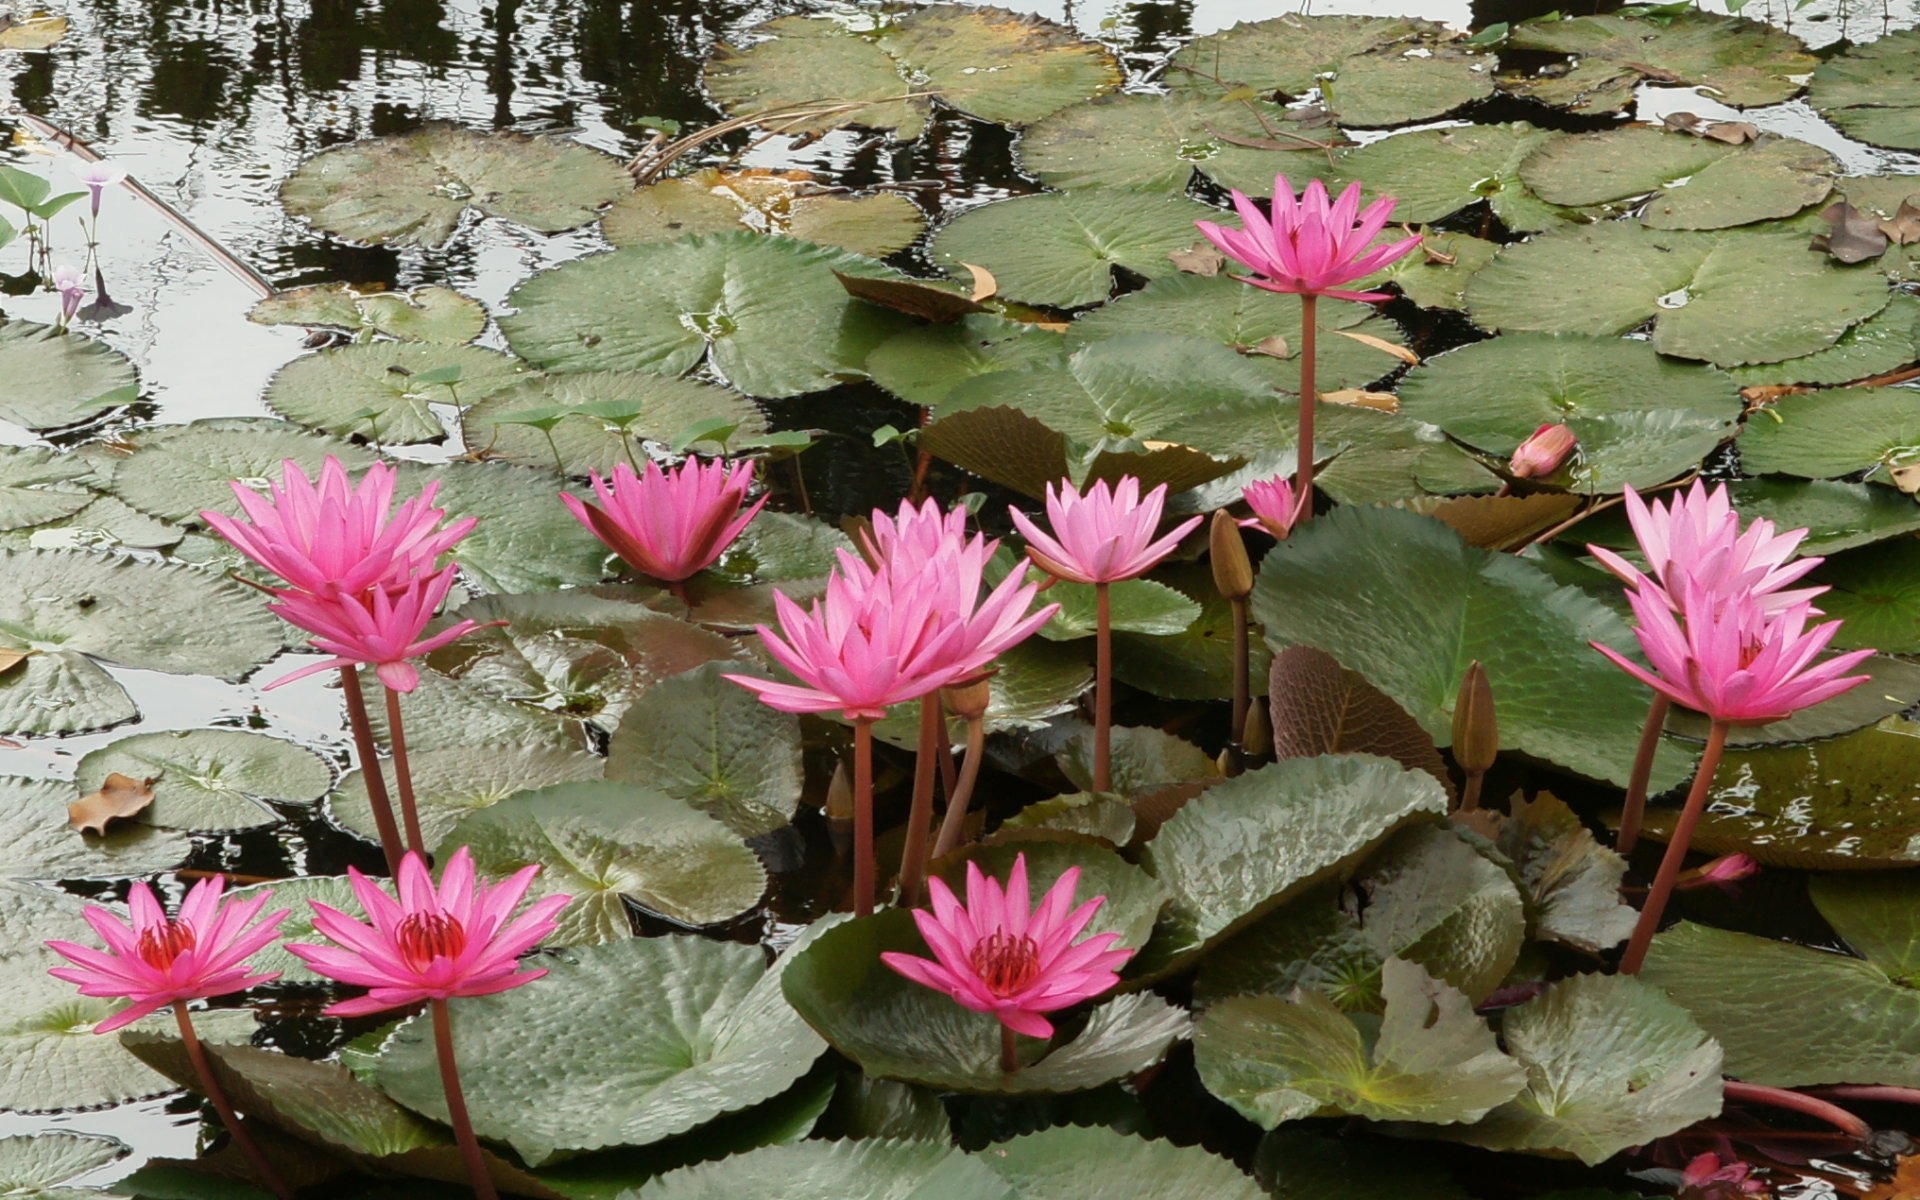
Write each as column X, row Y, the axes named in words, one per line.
column 1872, row 1093
column 1470, row 799
column 913, row 859
column 1009, row 1053
column 370, row 772
column 1636, row 806
column 1103, row 690
column 955, row 822
column 1309, row 400
column 1242, row 686
column 403, row 775
column 217, row 1096
column 1805, row 1105
column 457, row 1104
column 862, row 818
column 1676, row 855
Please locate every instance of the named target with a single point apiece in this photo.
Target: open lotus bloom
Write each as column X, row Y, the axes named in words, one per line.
column 158, row 960
column 381, row 627
column 1696, row 536
column 1542, row 453
column 669, row 525
column 908, row 539
column 460, row 939
column 1103, row 536
column 1312, row 246
column 1274, row 504
column 331, row 537
column 1001, row 955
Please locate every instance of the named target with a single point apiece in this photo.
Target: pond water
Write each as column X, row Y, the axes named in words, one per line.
column 212, row 104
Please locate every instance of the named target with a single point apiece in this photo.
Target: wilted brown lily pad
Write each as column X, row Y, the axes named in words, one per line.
column 118, row 799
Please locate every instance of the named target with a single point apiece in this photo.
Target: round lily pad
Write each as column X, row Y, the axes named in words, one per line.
column 452, row 782
column 766, row 313
column 986, row 62
column 872, row 1168
column 174, row 471
column 1884, row 342
column 1094, row 1162
column 335, row 891
column 526, row 539
column 1435, row 275
column 412, row 189
column 1433, row 173
column 1876, row 593
column 784, row 203
column 383, row 391
column 924, row 364
column 1824, row 435
column 597, row 419
column 36, row 1166
column 1868, row 91
column 1156, row 142
column 1837, row 516
column 38, row 485
column 1639, row 419
column 56, row 378
column 1744, row 62
column 211, row 779
column 36, row 842
column 1696, row 183
column 425, row 314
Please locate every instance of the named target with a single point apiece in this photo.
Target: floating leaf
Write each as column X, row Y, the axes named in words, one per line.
column 118, row 798
column 1194, row 663
column 678, row 1030
column 1837, row 516
column 1101, row 815
column 39, row 844
column 1696, row 183
column 596, row 420
column 1638, row 419
column 211, row 779
column 452, row 782
column 1745, row 63
column 1877, row 594
column 923, row 365
column 767, row 314
column 986, row 62
column 1867, row 92
column 413, row 189
column 1368, row 70
column 1156, row 142
column 525, row 538
column 1316, row 706
column 1077, row 1162
column 376, row 390
column 38, row 485
column 1823, row 435
column 36, row 1166
column 1133, row 897
column 1060, row 248
column 174, row 471
column 1435, row 275
column 1144, row 759
column 782, row 203
column 875, row 1169
column 1884, row 342
column 1433, row 173
column 55, row 379
column 1572, row 882
column 425, row 314
column 1135, row 606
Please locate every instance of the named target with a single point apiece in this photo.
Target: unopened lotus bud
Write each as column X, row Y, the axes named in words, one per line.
column 1256, row 740
column 1722, row 872
column 1232, row 570
column 1541, row 454
column 968, row 700
column 1476, row 732
column 840, row 793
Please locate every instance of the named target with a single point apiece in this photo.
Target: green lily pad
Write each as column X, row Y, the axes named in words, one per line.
column 1639, row 419
column 1745, row 63
column 1428, row 1059
column 65, row 609
column 1144, row 759
column 1135, row 605
column 36, row 1166
column 1708, row 293
column 1823, row 435
column 780, row 203
column 38, row 844
column 596, row 420
column 1696, row 183
column 105, row 524
column 1244, row 847
column 38, row 485
column 1099, row 815
column 210, row 780
column 413, row 189
column 369, row 390
column 1195, row 662
column 451, row 782
column 922, row 365
column 293, row 895
column 1877, row 594
column 1436, row 275
column 678, row 1030
column 1867, row 92
column 526, row 538
column 873, row 1169
column 1877, row 915
column 425, row 314
column 1571, row 882
column 1837, row 516
column 444, row 713
column 1433, row 173
column 765, row 313
column 174, row 471
column 1368, row 70
column 1611, row 1063
column 986, row 62
column 1080, row 1162
column 1884, row 342
column 1156, row 142
column 607, row 843
column 1060, row 248
column 1857, row 1024
column 1616, row 165
column 709, row 742
column 897, row 1029
column 56, row 379
column 1316, row 706
column 1557, row 700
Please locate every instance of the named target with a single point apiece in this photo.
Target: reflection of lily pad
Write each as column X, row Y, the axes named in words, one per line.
column 425, row 314
column 1155, row 143
column 1433, row 173
column 376, row 391
column 1868, row 92
column 412, row 189
column 770, row 202
column 597, row 419
column 1743, row 62
column 211, row 779
column 56, row 379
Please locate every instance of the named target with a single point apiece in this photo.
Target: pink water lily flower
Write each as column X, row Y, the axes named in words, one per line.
column 669, row 525
column 159, row 960
column 1000, row 955
column 1313, row 245
column 1103, row 536
column 97, row 177
column 914, row 535
column 329, row 537
column 1542, row 453
column 1697, row 536
column 382, row 628
column 460, row 939
column 1275, row 506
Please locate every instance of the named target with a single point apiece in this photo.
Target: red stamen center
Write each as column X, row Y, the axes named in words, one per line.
column 424, row 936
column 160, row 944
column 1006, row 964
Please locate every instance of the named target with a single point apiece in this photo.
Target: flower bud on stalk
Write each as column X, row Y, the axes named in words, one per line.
column 1476, row 731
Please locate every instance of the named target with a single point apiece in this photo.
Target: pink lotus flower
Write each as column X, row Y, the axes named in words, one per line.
column 1708, row 1178
column 1102, row 537
column 331, row 538
column 1311, row 247
column 430, row 944
column 997, row 955
column 1697, row 537
column 669, row 525
column 1724, row 873
column 1732, row 659
column 72, row 286
column 381, row 627
column 1542, row 453
column 97, row 177
column 1274, row 505
column 911, row 539
column 155, row 962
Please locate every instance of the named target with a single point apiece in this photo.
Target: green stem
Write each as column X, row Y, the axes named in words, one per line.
column 913, row 859
column 955, row 822
column 370, row 772
column 217, row 1095
column 457, row 1105
column 1636, row 806
column 1309, row 401
column 1663, row 882
column 1103, row 690
column 403, row 776
column 863, row 818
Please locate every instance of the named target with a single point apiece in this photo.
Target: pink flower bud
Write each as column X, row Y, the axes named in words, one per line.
column 1541, row 454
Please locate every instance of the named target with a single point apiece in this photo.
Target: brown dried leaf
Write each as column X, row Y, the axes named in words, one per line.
column 1199, row 259
column 1383, row 345
column 1681, row 122
column 1733, row 133
column 984, row 284
column 119, row 798
column 1497, row 522
column 1906, row 478
column 1905, row 1184
column 1385, row 402
column 922, row 300
column 9, row 659
column 1320, row 707
column 1273, row 347
column 1904, row 226
column 1856, row 237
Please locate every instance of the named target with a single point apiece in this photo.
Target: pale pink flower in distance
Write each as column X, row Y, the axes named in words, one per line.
column 201, row 952
column 998, row 954
column 1542, row 453
column 328, row 536
column 1312, row 246
column 1730, row 658
column 460, row 939
column 1697, row 536
column 669, row 525
column 1275, row 507
column 1724, row 873
column 97, row 177
column 72, row 286
column 1103, row 536
column 381, row 627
